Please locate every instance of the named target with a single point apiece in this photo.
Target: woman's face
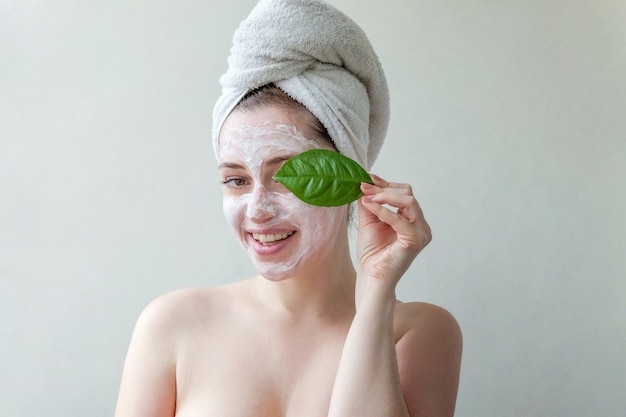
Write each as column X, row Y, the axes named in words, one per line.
column 280, row 233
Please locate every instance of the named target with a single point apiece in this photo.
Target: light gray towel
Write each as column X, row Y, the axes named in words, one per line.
column 320, row 58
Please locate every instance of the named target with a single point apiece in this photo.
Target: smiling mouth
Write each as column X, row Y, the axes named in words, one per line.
column 270, row 238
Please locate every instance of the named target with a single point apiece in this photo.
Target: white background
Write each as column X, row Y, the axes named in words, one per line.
column 508, row 117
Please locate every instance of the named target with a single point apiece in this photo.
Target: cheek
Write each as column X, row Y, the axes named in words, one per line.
column 290, row 205
column 234, row 210
column 322, row 223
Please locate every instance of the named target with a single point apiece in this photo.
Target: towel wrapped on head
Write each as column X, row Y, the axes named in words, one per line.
column 320, row 58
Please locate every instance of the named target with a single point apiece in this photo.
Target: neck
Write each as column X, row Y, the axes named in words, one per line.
column 323, row 290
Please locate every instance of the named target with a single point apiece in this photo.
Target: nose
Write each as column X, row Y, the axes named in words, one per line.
column 261, row 205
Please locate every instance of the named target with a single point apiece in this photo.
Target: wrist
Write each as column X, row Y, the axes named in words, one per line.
column 373, row 291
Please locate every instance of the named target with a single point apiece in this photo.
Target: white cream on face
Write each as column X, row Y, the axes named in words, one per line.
column 264, row 205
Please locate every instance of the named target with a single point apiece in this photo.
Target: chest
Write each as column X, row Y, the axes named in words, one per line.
column 257, row 373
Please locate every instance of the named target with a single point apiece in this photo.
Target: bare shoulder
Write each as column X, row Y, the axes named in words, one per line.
column 426, row 319
column 148, row 385
column 172, row 306
column 182, row 310
column 429, row 345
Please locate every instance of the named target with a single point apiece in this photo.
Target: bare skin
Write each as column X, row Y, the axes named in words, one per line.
column 323, row 339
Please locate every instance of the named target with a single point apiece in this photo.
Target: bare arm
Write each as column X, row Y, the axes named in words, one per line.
column 148, row 387
column 367, row 382
column 377, row 377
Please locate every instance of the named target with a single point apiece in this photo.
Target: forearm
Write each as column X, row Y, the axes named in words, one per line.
column 367, row 381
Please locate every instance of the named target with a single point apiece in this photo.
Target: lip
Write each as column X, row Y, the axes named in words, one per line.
column 269, row 248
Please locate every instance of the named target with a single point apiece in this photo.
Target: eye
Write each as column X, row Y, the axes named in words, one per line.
column 234, row 182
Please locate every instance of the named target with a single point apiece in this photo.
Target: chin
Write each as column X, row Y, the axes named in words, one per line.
column 280, row 270
column 276, row 273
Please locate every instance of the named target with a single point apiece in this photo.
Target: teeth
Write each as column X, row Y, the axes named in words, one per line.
column 270, row 238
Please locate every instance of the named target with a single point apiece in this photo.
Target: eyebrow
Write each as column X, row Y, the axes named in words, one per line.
column 273, row 161
column 230, row 165
column 279, row 159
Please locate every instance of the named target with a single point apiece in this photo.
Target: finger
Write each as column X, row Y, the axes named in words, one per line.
column 379, row 213
column 366, row 216
column 415, row 235
column 401, row 198
column 380, row 182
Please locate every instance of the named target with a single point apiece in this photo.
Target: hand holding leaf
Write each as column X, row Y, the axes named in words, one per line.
column 392, row 230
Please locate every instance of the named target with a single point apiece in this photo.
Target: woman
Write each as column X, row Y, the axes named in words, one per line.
column 311, row 335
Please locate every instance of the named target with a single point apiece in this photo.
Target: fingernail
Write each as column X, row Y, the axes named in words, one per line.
column 376, row 178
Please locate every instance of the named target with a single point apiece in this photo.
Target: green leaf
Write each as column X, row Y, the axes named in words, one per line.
column 323, row 178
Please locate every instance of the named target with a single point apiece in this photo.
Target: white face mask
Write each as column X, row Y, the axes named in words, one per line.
column 279, row 232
